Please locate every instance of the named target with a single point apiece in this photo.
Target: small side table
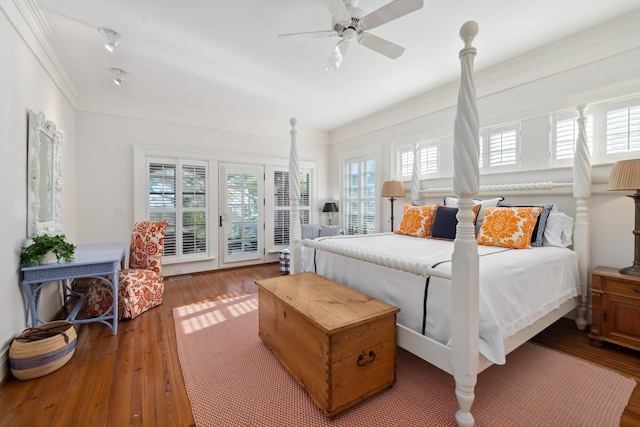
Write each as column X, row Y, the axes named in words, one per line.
column 98, row 260
column 615, row 308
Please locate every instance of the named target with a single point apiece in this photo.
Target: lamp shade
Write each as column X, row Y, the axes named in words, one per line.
column 392, row 189
column 625, row 175
column 330, row 207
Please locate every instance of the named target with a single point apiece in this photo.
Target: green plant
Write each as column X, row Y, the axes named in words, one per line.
column 33, row 254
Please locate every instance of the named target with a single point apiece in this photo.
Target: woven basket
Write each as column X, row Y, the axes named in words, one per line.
column 41, row 350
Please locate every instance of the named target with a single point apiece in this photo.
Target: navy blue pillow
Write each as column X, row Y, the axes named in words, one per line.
column 444, row 223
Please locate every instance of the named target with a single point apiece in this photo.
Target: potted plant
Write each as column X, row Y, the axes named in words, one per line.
column 46, row 249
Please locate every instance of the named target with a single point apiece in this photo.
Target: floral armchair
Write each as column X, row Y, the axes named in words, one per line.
column 141, row 286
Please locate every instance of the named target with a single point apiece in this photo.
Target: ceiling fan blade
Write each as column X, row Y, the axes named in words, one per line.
column 337, row 55
column 389, row 12
column 306, row 36
column 338, row 11
column 380, row 45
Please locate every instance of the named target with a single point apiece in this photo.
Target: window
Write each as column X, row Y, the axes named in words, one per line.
column 622, row 127
column 499, row 148
column 360, row 195
column 565, row 135
column 282, row 207
column 177, row 194
column 428, row 160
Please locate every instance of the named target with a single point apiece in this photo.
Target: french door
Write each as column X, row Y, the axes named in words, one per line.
column 241, row 215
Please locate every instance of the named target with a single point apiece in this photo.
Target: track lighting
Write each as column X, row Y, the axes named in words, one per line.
column 119, row 79
column 112, row 36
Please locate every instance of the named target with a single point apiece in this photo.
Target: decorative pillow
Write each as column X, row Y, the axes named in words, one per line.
column 416, row 220
column 537, row 237
column 484, row 204
column 508, row 227
column 309, row 231
column 559, row 230
column 330, row 230
column 445, row 222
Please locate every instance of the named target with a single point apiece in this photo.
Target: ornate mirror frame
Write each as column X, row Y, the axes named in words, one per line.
column 44, row 200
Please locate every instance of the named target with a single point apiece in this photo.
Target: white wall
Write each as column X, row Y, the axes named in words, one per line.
column 24, row 85
column 105, row 163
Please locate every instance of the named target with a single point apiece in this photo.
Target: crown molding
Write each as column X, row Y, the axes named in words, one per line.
column 604, row 41
column 26, row 17
column 103, row 103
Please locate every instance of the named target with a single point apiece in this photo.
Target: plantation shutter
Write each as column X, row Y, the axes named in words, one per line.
column 623, row 130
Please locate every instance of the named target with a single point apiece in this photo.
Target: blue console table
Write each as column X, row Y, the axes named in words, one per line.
column 98, row 260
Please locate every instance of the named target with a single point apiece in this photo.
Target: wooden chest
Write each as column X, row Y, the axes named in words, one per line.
column 338, row 343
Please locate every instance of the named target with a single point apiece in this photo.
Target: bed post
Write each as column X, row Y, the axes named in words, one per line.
column 464, row 268
column 582, row 192
column 415, row 176
column 295, row 231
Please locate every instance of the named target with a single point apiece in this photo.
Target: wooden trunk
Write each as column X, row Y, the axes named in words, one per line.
column 338, row 343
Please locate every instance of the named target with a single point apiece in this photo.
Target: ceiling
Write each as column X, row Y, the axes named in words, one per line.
column 222, row 58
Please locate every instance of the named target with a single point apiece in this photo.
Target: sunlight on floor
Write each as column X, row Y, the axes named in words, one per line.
column 200, row 316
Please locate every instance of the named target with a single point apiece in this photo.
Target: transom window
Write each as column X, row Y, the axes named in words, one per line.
column 499, row 148
column 428, row 159
column 565, row 135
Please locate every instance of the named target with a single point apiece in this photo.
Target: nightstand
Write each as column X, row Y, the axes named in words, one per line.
column 616, row 308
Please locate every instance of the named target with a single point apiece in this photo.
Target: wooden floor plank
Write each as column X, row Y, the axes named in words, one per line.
column 135, row 378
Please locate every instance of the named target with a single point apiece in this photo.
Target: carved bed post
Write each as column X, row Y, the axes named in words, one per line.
column 295, row 230
column 582, row 192
column 465, row 270
column 415, row 176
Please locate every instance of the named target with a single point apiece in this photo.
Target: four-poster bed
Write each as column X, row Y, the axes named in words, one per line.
column 471, row 346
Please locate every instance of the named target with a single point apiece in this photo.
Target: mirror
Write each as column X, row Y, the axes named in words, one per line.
column 44, row 200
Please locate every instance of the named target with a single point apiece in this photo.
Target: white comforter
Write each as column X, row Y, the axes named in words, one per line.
column 517, row 287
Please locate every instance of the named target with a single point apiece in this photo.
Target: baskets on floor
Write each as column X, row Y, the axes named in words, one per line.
column 41, row 350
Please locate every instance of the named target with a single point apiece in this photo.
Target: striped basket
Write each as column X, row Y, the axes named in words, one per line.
column 41, row 350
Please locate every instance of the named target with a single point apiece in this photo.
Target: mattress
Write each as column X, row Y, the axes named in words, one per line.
column 517, row 286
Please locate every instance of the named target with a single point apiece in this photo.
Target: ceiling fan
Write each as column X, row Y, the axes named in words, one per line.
column 349, row 22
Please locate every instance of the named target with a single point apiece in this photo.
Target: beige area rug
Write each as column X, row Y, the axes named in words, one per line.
column 233, row 379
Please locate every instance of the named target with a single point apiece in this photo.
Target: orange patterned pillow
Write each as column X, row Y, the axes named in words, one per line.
column 508, row 227
column 416, row 220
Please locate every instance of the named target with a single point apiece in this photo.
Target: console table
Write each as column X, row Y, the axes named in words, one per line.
column 102, row 260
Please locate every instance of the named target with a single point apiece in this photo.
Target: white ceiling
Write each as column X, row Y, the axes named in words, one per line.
column 221, row 57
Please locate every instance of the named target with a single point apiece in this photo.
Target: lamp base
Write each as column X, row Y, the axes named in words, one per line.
column 634, row 270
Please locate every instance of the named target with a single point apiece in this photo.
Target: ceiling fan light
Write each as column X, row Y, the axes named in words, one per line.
column 118, row 81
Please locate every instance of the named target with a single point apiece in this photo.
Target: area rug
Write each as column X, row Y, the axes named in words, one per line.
column 233, row 379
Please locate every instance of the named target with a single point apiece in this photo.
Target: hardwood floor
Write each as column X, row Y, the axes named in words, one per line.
column 134, row 378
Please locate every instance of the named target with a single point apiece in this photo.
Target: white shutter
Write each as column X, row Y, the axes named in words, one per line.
column 360, row 195
column 282, row 204
column 623, row 130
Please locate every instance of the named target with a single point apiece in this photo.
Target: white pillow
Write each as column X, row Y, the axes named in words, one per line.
column 559, row 230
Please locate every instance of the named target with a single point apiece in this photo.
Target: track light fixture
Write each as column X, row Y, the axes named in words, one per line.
column 112, row 38
column 119, row 79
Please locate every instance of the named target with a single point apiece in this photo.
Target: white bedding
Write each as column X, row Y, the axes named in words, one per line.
column 517, row 287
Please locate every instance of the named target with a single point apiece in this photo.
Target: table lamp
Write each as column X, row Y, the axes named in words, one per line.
column 330, row 207
column 392, row 189
column 625, row 175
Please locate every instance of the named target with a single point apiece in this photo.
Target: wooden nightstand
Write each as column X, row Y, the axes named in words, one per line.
column 616, row 308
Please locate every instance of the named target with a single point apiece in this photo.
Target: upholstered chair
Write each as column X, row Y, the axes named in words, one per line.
column 141, row 286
